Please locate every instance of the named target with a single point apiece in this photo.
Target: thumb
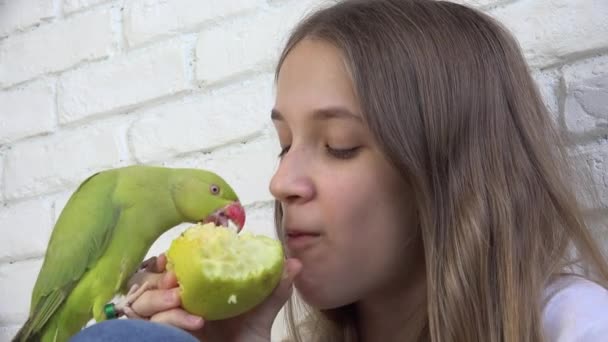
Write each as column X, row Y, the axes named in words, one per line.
column 284, row 289
column 273, row 304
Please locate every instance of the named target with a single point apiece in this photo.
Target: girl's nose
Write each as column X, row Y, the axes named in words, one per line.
column 292, row 181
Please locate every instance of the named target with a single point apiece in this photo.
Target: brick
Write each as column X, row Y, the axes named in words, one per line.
column 56, row 46
column 64, row 159
column 16, row 283
column 27, row 228
column 27, row 111
column 248, row 43
column 548, row 85
column 202, row 122
column 591, row 178
column 586, row 105
column 18, row 15
column 76, row 5
column 122, row 83
column 554, row 31
column 149, row 19
column 228, row 50
column 246, row 167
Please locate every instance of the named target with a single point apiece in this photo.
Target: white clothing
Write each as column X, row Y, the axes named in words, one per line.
column 576, row 312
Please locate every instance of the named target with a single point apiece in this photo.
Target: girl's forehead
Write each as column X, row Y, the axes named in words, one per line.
column 313, row 78
column 313, row 60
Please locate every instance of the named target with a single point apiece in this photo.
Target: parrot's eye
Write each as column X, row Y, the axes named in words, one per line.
column 214, row 189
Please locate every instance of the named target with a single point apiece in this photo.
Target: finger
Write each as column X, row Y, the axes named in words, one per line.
column 272, row 305
column 148, row 264
column 135, row 292
column 168, row 281
column 282, row 292
column 153, row 279
column 156, row 277
column 161, row 262
column 179, row 318
column 152, row 302
column 131, row 314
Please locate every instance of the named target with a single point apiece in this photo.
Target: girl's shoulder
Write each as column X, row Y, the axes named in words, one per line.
column 576, row 310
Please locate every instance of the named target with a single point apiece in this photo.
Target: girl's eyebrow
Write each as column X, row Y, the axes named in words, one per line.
column 323, row 114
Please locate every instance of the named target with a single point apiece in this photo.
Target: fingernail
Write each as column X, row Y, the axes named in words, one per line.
column 195, row 320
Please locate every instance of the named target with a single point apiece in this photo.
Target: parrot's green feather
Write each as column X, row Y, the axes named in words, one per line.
column 45, row 310
column 84, row 246
column 101, row 236
column 74, row 248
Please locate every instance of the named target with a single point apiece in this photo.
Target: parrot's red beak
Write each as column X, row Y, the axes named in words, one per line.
column 232, row 213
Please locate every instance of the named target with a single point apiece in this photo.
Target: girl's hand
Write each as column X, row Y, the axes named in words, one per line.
column 161, row 304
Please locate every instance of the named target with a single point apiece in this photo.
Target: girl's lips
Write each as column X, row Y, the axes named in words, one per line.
column 300, row 240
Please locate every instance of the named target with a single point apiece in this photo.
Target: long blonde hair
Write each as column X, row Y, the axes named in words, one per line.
column 448, row 96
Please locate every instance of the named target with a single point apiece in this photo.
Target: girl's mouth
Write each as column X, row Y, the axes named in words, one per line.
column 297, row 240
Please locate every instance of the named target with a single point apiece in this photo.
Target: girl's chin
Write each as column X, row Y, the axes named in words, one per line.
column 317, row 296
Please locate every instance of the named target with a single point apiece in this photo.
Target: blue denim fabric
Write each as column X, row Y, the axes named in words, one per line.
column 131, row 330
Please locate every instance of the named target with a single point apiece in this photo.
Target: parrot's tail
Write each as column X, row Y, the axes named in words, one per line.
column 25, row 334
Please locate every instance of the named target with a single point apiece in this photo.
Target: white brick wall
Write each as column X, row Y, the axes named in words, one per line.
column 49, row 163
column 32, row 220
column 249, row 43
column 31, row 108
column 152, row 19
column 93, row 84
column 19, row 15
column 555, row 31
column 586, row 103
column 62, row 44
column 70, row 6
column 123, row 82
column 202, row 122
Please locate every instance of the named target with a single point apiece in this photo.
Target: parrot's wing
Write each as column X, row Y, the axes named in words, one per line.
column 79, row 238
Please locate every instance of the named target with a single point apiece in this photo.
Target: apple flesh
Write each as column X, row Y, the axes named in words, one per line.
column 222, row 274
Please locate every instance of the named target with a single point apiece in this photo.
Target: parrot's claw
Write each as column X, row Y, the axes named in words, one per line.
column 147, row 263
column 124, row 307
column 135, row 292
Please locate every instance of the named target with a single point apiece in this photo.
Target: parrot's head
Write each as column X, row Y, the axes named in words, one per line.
column 203, row 196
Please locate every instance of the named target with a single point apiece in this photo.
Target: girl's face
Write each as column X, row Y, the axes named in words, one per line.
column 348, row 215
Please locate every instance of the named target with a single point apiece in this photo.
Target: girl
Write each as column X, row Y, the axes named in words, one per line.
column 423, row 192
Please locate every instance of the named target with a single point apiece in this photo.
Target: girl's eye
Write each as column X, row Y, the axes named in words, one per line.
column 345, row 153
column 284, row 150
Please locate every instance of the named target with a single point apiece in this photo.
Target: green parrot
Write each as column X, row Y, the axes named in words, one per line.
column 105, row 231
